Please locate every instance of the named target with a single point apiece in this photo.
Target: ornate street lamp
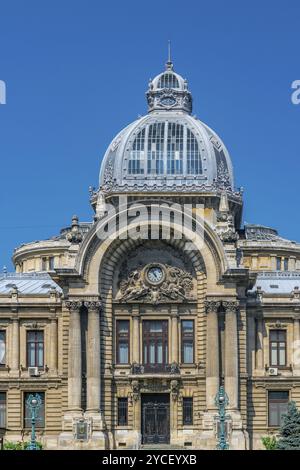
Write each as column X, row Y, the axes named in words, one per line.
column 221, row 402
column 33, row 403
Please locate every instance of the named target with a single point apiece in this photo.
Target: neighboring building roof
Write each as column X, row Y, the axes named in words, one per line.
column 27, row 283
column 277, row 282
column 262, row 233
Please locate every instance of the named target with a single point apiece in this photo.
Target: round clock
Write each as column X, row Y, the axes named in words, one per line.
column 155, row 274
column 168, row 101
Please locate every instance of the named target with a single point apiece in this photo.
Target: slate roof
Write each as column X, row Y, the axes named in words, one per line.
column 277, row 282
column 27, row 283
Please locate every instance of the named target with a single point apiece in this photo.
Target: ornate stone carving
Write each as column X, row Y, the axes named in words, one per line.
column 230, row 305
column 108, row 174
column 92, row 304
column 75, row 234
column 135, row 385
column 174, row 387
column 223, row 177
column 212, row 306
column 177, row 285
column 229, row 235
column 73, row 304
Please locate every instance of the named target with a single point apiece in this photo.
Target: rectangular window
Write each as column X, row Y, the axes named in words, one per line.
column 122, row 341
column 122, row 411
column 155, row 344
column 35, row 348
column 187, row 412
column 286, row 264
column 40, row 412
column 187, row 341
column 278, row 402
column 51, row 263
column 44, row 264
column 278, row 264
column 278, row 348
column 2, row 410
column 2, row 348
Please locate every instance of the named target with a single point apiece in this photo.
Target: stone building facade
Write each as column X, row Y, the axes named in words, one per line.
column 127, row 325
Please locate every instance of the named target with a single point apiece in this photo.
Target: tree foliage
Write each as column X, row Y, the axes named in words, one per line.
column 290, row 429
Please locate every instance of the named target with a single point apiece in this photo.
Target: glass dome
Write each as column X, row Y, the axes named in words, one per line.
column 168, row 149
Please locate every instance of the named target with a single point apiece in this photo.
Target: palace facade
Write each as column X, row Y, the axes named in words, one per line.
column 126, row 327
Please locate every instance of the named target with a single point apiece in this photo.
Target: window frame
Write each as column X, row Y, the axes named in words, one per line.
column 187, row 337
column 154, row 338
column 3, row 364
column 122, row 409
column 187, row 411
column 278, row 348
column 121, row 340
column 4, row 393
column 36, row 349
column 269, row 401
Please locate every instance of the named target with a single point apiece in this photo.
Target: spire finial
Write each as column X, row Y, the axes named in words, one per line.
column 169, row 64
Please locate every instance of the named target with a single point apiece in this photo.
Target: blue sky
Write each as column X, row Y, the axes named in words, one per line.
column 76, row 73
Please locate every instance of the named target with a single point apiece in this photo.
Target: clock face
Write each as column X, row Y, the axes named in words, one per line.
column 155, row 274
column 168, row 101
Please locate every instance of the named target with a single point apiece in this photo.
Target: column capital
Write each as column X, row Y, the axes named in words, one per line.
column 92, row 304
column 212, row 306
column 230, row 305
column 73, row 304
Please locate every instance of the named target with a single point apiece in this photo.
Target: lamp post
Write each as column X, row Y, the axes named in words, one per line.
column 34, row 402
column 221, row 402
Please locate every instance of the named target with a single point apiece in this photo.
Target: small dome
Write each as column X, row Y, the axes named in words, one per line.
column 168, row 149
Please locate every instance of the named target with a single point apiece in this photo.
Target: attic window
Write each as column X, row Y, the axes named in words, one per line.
column 10, row 286
column 46, row 286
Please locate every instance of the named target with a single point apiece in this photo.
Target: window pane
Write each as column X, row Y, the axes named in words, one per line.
column 2, row 348
column 159, row 352
column 122, row 411
column 188, row 325
column 123, row 353
column 282, row 356
column 2, row 409
column 156, row 327
column 188, row 351
column 152, row 353
column 40, row 416
column 123, row 326
column 273, row 354
column 31, row 355
column 187, row 411
column 40, row 355
column 278, row 401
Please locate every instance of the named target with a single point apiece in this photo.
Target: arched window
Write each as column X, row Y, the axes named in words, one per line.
column 165, row 148
column 168, row 80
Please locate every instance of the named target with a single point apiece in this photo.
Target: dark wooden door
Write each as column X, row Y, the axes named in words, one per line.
column 156, row 419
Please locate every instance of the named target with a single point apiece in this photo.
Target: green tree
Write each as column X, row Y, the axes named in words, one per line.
column 290, row 429
column 269, row 442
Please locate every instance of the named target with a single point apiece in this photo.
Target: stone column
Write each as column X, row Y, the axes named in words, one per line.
column 296, row 346
column 93, row 357
column 15, row 347
column 259, row 345
column 212, row 352
column 231, row 353
column 53, row 346
column 136, row 335
column 174, row 335
column 74, row 358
